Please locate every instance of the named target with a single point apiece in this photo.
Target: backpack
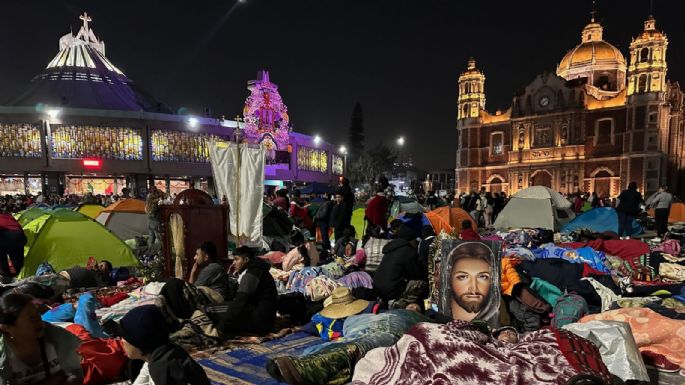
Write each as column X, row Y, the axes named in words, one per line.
column 374, row 253
column 569, row 309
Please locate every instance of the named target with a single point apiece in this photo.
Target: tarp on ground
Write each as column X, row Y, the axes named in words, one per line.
column 599, row 220
column 535, row 207
column 90, row 210
column 65, row 238
column 125, row 218
column 677, row 213
column 440, row 219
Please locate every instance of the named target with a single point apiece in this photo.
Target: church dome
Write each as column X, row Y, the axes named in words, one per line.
column 595, row 59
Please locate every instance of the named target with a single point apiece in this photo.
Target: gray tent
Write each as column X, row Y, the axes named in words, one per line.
column 535, row 207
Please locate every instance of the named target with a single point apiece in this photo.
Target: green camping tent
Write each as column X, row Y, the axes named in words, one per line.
column 358, row 221
column 28, row 215
column 65, row 238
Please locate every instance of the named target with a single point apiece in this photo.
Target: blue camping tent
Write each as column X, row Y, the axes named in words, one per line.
column 599, row 220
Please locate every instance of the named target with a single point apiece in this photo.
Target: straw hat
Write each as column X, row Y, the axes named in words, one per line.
column 341, row 304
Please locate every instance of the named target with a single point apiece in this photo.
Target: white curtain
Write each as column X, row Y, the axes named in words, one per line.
column 244, row 189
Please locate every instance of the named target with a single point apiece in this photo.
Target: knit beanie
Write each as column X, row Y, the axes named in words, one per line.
column 145, row 328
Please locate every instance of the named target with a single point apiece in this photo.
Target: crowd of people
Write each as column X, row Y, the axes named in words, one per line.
column 391, row 259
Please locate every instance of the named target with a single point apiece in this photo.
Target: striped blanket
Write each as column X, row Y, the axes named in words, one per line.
column 247, row 364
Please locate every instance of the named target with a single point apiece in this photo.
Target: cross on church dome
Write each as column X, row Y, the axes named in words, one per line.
column 86, row 19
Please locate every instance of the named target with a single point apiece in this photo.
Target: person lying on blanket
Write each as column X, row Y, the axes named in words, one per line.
column 80, row 277
column 462, row 352
column 146, row 337
column 333, row 362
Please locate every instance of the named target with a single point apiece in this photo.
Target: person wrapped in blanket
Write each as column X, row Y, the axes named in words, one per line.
column 463, row 352
column 145, row 337
column 352, row 327
column 33, row 351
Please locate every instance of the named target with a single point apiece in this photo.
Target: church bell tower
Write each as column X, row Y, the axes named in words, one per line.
column 647, row 70
column 471, row 92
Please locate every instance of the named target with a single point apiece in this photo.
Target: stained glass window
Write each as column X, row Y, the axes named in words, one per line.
column 312, row 159
column 121, row 143
column 21, row 140
column 177, row 146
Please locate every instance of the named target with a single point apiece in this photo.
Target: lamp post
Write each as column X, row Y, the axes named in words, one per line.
column 343, row 150
column 238, row 133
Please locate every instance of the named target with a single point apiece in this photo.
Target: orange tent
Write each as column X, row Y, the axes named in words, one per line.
column 677, row 213
column 127, row 206
column 448, row 219
column 125, row 218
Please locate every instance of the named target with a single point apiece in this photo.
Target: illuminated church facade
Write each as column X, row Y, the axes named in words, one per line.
column 597, row 124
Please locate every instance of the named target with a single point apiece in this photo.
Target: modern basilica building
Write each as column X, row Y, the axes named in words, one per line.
column 82, row 125
column 597, row 124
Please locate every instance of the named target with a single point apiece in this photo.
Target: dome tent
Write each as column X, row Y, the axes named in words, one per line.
column 65, row 238
column 125, row 218
column 89, row 209
column 441, row 217
column 599, row 220
column 535, row 207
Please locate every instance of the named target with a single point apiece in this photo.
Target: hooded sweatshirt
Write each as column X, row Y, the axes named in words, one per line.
column 629, row 202
column 399, row 265
column 256, row 294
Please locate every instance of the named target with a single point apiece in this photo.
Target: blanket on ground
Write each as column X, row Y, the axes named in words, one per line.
column 653, row 332
column 459, row 353
column 245, row 364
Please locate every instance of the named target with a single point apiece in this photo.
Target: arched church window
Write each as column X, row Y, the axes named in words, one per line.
column 465, row 112
column 467, row 88
column 644, row 54
column 603, row 174
column 497, row 143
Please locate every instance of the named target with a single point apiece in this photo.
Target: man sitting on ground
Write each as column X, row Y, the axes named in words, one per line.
column 253, row 309
column 207, row 271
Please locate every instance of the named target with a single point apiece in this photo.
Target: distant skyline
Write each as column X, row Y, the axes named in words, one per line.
column 399, row 59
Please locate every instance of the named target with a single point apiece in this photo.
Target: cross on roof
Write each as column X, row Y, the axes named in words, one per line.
column 86, row 19
column 594, row 10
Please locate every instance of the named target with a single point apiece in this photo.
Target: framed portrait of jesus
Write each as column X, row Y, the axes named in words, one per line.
column 470, row 280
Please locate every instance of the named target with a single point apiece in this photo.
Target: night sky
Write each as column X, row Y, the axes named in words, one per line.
column 399, row 59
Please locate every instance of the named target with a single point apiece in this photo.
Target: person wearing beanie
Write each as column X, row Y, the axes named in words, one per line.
column 400, row 279
column 145, row 334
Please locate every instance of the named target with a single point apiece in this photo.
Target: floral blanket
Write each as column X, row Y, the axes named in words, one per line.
column 459, row 353
column 653, row 332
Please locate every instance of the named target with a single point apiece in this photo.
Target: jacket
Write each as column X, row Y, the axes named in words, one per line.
column 171, row 365
column 256, row 290
column 337, row 219
column 323, row 214
column 399, row 265
column 7, row 222
column 660, row 200
column 629, row 202
column 65, row 345
column 510, row 277
column 469, row 235
column 377, row 211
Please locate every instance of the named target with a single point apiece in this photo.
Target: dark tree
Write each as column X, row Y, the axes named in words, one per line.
column 356, row 133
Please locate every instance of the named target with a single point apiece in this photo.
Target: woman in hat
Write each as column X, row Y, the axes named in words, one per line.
column 33, row 351
column 146, row 337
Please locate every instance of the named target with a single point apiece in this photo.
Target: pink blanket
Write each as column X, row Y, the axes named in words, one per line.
column 652, row 331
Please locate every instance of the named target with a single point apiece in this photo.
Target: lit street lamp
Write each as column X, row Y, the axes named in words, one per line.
column 343, row 150
column 400, row 141
column 317, row 139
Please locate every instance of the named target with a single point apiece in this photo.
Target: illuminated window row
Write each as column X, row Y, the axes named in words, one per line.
column 73, row 142
column 19, row 140
column 312, row 159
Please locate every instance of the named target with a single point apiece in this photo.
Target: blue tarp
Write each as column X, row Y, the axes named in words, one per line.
column 599, row 220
